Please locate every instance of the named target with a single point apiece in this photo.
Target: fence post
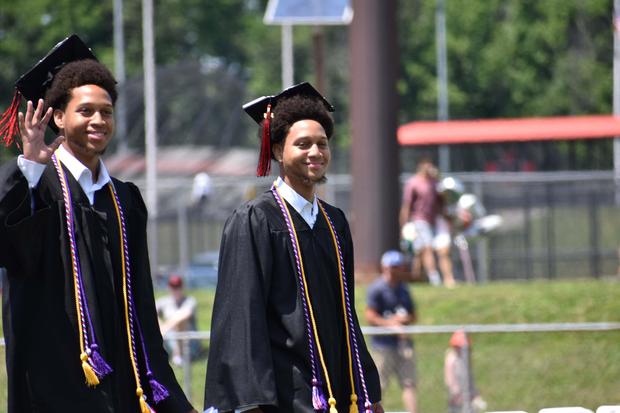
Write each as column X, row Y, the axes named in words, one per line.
column 527, row 231
column 187, row 367
column 595, row 268
column 482, row 245
column 550, row 232
column 466, row 384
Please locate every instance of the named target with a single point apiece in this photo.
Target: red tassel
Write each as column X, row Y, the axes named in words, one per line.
column 264, row 159
column 9, row 126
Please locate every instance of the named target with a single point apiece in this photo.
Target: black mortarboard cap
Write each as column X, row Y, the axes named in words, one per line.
column 264, row 107
column 258, row 107
column 34, row 83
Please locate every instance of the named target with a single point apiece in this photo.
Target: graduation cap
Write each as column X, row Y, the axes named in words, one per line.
column 33, row 84
column 262, row 110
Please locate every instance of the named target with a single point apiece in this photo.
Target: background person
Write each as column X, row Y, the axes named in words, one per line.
column 423, row 206
column 463, row 396
column 389, row 304
column 177, row 312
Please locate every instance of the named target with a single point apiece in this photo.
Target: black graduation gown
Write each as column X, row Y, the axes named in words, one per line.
column 258, row 351
column 39, row 318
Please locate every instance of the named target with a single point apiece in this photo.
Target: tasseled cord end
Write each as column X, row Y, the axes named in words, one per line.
column 264, row 159
column 91, row 378
column 332, row 405
column 99, row 365
column 144, row 406
column 9, row 126
column 160, row 393
column 367, row 407
column 318, row 398
column 353, row 408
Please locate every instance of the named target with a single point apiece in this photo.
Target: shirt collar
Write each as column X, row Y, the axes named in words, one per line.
column 298, row 202
column 80, row 172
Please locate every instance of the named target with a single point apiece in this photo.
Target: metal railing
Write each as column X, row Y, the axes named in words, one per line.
column 186, row 337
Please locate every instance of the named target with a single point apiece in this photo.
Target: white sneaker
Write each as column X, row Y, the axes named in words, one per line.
column 177, row 360
column 434, row 279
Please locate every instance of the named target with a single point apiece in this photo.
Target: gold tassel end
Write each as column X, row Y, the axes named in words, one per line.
column 332, row 405
column 353, row 408
column 91, row 378
column 144, row 408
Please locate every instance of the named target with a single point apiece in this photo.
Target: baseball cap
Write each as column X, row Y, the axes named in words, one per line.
column 392, row 258
column 460, row 339
column 175, row 281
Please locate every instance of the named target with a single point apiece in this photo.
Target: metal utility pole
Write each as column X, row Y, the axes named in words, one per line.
column 375, row 163
column 288, row 67
column 119, row 73
column 616, row 96
column 150, row 127
column 442, row 79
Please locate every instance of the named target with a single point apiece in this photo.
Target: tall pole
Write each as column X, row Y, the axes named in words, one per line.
column 150, row 127
column 119, row 72
column 616, row 96
column 318, row 51
column 442, row 79
column 288, row 66
column 375, row 163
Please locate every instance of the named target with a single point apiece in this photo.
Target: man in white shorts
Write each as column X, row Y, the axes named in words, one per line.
column 423, row 206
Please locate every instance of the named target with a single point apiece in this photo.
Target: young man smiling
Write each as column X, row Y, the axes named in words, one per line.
column 78, row 310
column 285, row 336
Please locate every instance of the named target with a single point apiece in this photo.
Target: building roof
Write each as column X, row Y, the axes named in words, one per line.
column 508, row 130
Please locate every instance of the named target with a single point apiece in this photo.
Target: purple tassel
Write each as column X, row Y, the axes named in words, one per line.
column 100, row 366
column 160, row 393
column 318, row 398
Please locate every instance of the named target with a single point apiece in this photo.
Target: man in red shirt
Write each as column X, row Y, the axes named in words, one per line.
column 423, row 206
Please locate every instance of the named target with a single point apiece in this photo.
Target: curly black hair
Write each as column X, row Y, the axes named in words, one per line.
column 76, row 74
column 295, row 108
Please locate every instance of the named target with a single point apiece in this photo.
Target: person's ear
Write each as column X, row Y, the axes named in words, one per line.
column 278, row 151
column 59, row 118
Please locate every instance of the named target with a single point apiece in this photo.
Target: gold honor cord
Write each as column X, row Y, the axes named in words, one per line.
column 332, row 400
column 353, row 408
column 144, row 408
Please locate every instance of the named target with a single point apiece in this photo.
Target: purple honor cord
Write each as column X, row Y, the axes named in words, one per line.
column 99, row 365
column 317, row 396
column 159, row 391
column 89, row 348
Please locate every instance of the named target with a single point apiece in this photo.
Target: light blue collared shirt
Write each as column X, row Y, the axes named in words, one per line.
column 34, row 170
column 307, row 210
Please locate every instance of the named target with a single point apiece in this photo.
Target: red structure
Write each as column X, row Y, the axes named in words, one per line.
column 508, row 130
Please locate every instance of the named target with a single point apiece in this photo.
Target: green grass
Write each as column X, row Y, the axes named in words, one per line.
column 514, row 371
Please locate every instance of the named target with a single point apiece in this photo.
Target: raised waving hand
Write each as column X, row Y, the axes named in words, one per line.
column 32, row 131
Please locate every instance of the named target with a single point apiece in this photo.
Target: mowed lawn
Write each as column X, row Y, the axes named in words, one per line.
column 513, row 371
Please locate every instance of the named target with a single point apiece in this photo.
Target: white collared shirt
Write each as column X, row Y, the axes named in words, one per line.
column 307, row 210
column 34, row 170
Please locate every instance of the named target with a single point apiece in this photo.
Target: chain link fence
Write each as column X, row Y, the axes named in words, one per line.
column 555, row 224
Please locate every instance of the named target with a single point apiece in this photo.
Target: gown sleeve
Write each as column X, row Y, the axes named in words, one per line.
column 371, row 374
column 240, row 368
column 147, row 315
column 21, row 240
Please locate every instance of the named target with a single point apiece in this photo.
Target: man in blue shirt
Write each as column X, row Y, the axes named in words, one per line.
column 389, row 304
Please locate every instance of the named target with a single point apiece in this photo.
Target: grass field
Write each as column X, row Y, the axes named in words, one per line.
column 514, row 371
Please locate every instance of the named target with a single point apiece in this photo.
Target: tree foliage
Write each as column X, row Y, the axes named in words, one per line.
column 506, row 58
column 509, row 58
